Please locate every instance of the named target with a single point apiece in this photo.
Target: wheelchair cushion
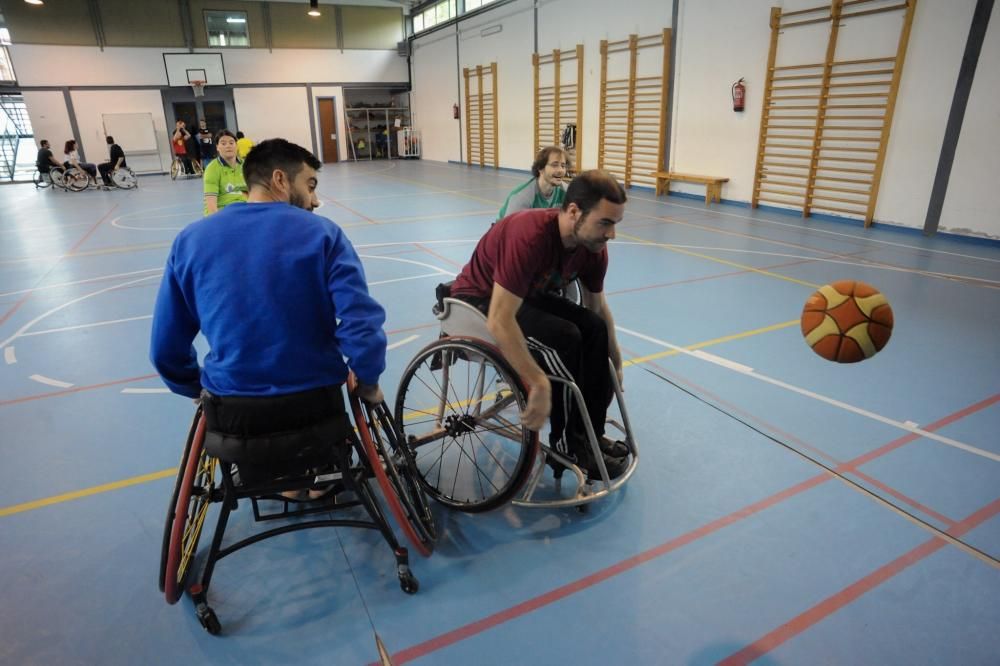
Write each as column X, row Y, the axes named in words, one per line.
column 282, row 452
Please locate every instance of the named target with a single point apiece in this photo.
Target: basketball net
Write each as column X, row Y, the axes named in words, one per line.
column 198, row 87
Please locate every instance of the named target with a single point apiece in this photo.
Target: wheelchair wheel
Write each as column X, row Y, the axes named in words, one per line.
column 175, row 168
column 405, row 498
column 186, row 516
column 459, row 410
column 76, row 180
column 196, row 164
column 58, row 177
column 124, row 178
column 41, row 180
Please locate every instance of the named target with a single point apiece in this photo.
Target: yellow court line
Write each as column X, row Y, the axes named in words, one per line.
column 708, row 343
column 86, row 492
column 720, row 261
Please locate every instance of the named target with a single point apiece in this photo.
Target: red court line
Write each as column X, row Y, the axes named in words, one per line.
column 411, row 328
column 948, row 522
column 525, row 607
column 431, row 252
column 14, row 308
column 75, row 389
column 835, row 602
column 350, row 210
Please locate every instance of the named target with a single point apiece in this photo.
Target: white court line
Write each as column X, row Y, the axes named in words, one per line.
column 8, row 356
column 412, row 277
column 816, row 396
column 41, row 379
column 146, row 390
column 95, row 279
column 724, row 362
column 402, row 342
column 79, row 326
column 440, row 271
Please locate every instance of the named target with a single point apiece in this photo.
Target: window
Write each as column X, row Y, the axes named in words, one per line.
column 227, row 28
column 440, row 12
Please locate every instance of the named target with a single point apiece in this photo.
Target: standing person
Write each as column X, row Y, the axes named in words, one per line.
column 224, row 182
column 179, row 142
column 281, row 297
column 73, row 159
column 513, row 269
column 116, row 159
column 545, row 189
column 243, row 145
column 45, row 160
column 206, row 144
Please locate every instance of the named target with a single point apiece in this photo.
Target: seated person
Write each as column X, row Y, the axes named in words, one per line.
column 281, row 297
column 73, row 160
column 545, row 189
column 179, row 141
column 224, row 182
column 514, row 268
column 116, row 161
column 45, row 160
column 243, row 145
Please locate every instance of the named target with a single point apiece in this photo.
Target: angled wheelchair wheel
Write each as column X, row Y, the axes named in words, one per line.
column 175, row 168
column 76, row 180
column 186, row 515
column 41, row 180
column 124, row 178
column 58, row 176
column 459, row 410
column 395, row 477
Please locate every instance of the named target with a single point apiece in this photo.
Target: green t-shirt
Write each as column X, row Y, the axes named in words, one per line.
column 529, row 196
column 226, row 182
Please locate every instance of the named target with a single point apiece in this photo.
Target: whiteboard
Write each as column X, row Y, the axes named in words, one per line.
column 132, row 131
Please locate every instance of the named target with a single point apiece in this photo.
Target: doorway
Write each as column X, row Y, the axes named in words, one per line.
column 216, row 108
column 328, row 128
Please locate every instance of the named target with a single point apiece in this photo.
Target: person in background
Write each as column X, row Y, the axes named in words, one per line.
column 545, row 189
column 45, row 160
column 224, row 182
column 243, row 145
column 116, row 159
column 73, row 159
column 206, row 144
column 179, row 142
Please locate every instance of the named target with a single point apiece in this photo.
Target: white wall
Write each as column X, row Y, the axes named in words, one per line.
column 971, row 205
column 90, row 107
column 49, row 118
column 435, row 89
column 266, row 113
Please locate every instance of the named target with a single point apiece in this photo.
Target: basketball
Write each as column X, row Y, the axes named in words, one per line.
column 847, row 321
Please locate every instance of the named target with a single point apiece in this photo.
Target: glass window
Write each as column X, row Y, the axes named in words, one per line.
column 227, row 28
column 418, row 23
column 6, row 68
column 4, row 36
column 441, row 9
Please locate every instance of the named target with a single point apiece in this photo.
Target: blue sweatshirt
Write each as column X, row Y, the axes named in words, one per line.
column 280, row 295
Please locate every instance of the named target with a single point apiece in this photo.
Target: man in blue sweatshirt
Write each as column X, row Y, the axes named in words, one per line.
column 281, row 297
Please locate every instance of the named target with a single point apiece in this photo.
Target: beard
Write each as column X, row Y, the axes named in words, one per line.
column 299, row 201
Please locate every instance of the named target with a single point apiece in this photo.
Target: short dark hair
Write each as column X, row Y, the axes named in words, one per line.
column 223, row 132
column 240, row 135
column 542, row 158
column 110, row 140
column 589, row 187
column 43, row 142
column 273, row 154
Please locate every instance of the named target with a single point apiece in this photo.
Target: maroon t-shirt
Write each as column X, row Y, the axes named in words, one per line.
column 524, row 254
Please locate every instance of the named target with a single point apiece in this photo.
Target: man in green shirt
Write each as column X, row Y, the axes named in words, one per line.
column 224, row 183
column 545, row 189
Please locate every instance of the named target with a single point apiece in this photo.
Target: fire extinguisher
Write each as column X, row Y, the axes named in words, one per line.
column 739, row 95
column 454, row 111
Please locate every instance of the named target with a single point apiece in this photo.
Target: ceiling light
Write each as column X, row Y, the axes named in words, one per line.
column 235, row 19
column 313, row 8
column 34, row 2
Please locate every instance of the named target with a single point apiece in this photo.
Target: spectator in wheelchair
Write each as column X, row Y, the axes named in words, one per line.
column 281, row 297
column 545, row 189
column 116, row 159
column 73, row 160
column 179, row 141
column 510, row 277
column 45, row 160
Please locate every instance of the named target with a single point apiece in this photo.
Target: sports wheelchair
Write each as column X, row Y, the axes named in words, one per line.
column 346, row 459
column 459, row 408
column 44, row 179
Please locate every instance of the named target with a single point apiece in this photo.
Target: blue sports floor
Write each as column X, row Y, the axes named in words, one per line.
column 787, row 510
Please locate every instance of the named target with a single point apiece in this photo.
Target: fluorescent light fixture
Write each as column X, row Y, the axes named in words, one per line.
column 235, row 19
column 34, row 2
column 313, row 8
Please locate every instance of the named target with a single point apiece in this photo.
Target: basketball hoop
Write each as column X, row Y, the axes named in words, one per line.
column 198, row 87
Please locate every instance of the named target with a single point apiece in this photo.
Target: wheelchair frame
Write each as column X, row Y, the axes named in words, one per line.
column 379, row 456
column 464, row 326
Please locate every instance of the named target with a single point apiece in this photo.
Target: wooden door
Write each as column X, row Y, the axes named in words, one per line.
column 328, row 129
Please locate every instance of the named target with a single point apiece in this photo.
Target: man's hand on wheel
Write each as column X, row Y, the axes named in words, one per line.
column 370, row 393
column 539, row 405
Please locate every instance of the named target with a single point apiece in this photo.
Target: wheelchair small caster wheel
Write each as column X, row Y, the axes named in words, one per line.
column 583, row 508
column 408, row 582
column 209, row 621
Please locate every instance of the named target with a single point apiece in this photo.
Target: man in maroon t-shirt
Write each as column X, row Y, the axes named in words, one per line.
column 511, row 275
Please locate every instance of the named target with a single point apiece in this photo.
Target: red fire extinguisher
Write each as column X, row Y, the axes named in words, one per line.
column 739, row 95
column 454, row 111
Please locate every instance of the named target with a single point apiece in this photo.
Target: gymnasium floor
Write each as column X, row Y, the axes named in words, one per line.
column 733, row 543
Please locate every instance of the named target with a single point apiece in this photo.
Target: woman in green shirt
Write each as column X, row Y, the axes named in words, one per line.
column 223, row 177
column 546, row 188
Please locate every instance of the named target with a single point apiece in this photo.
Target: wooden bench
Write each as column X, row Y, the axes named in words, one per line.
column 713, row 185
